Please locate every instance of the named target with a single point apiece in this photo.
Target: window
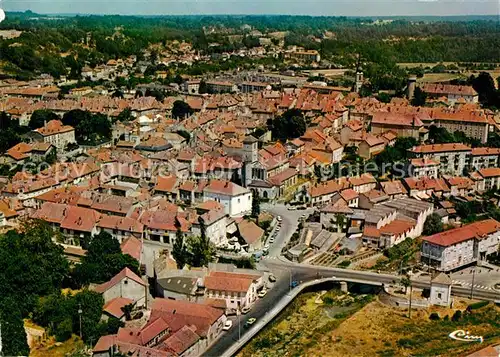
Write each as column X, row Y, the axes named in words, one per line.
column 439, row 296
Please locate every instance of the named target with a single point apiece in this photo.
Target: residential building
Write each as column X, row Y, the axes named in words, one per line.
column 423, row 167
column 453, row 93
column 236, row 200
column 125, row 284
column 453, row 158
column 55, row 133
column 482, row 158
column 459, row 247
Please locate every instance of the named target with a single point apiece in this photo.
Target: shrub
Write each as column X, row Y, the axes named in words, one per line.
column 345, row 264
column 434, row 316
column 456, row 316
column 328, row 300
column 405, row 343
column 477, row 305
column 446, row 318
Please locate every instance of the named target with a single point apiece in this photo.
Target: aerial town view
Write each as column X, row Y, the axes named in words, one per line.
column 223, row 178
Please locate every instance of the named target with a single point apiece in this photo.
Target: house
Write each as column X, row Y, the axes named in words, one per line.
column 482, row 158
column 208, row 321
column 394, row 189
column 215, row 222
column 491, row 177
column 453, row 93
column 55, row 133
column 425, row 187
column 473, row 123
column 125, row 284
column 423, row 167
column 236, row 200
column 35, row 152
column 441, row 290
column 251, row 233
column 114, row 308
column 370, row 146
column 283, row 181
column 459, row 247
column 402, row 124
column 452, row 157
column 239, row 290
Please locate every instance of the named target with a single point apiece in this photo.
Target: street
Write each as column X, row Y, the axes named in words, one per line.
column 289, row 224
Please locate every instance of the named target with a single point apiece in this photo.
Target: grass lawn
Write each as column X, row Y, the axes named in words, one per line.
column 304, row 324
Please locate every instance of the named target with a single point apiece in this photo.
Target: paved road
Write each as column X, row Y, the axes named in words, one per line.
column 286, row 271
column 289, row 225
column 260, row 308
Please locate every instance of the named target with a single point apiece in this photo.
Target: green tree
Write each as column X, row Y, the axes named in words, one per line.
column 181, row 110
column 255, row 204
column 14, row 341
column 203, row 87
column 405, row 282
column 290, row 125
column 433, row 225
column 104, row 259
column 41, row 116
column 179, row 249
column 419, row 98
column 201, row 251
column 125, row 115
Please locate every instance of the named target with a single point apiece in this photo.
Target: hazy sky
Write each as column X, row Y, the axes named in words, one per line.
column 293, row 7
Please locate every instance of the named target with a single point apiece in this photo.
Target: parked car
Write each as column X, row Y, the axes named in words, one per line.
column 250, row 322
column 294, row 283
column 292, row 208
column 272, row 278
column 245, row 310
column 262, row 293
column 227, row 325
column 279, row 219
column 271, row 240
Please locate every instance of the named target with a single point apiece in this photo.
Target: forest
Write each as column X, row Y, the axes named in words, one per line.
column 339, row 39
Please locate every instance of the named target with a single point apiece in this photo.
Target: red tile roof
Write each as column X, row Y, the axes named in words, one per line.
column 181, row 340
column 490, row 172
column 476, row 230
column 126, row 273
column 436, row 148
column 133, row 247
column 114, row 306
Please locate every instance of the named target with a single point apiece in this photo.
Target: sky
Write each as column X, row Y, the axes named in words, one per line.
column 289, row 7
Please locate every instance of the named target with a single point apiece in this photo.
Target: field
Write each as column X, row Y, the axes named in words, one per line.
column 310, row 329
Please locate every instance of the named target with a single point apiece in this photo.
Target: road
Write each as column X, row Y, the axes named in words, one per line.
column 286, row 271
column 289, row 224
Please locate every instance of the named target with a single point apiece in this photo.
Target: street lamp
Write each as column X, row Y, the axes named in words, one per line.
column 80, row 311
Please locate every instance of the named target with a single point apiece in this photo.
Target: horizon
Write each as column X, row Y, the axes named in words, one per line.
column 334, row 8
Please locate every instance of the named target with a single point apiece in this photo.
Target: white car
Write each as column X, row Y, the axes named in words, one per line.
column 279, row 219
column 271, row 240
column 245, row 310
column 262, row 293
column 227, row 325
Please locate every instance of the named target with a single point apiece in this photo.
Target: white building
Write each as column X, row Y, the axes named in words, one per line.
column 455, row 248
column 452, row 157
column 236, row 200
column 441, row 290
column 55, row 133
column 125, row 284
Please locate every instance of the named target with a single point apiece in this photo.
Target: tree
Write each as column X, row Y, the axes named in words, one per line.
column 89, row 128
column 14, row 341
column 256, row 205
column 406, row 282
column 179, row 249
column 125, row 115
column 419, row 97
column 181, row 110
column 30, row 259
column 290, row 125
column 433, row 225
column 104, row 259
column 485, row 87
column 127, row 310
column 203, row 88
column 200, row 249
column 41, row 116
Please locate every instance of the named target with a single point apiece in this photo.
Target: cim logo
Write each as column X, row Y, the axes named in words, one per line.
column 461, row 335
column 2, row 13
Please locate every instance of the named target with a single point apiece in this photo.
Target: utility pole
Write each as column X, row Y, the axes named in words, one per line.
column 290, row 280
column 409, row 308
column 472, row 286
column 239, row 325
